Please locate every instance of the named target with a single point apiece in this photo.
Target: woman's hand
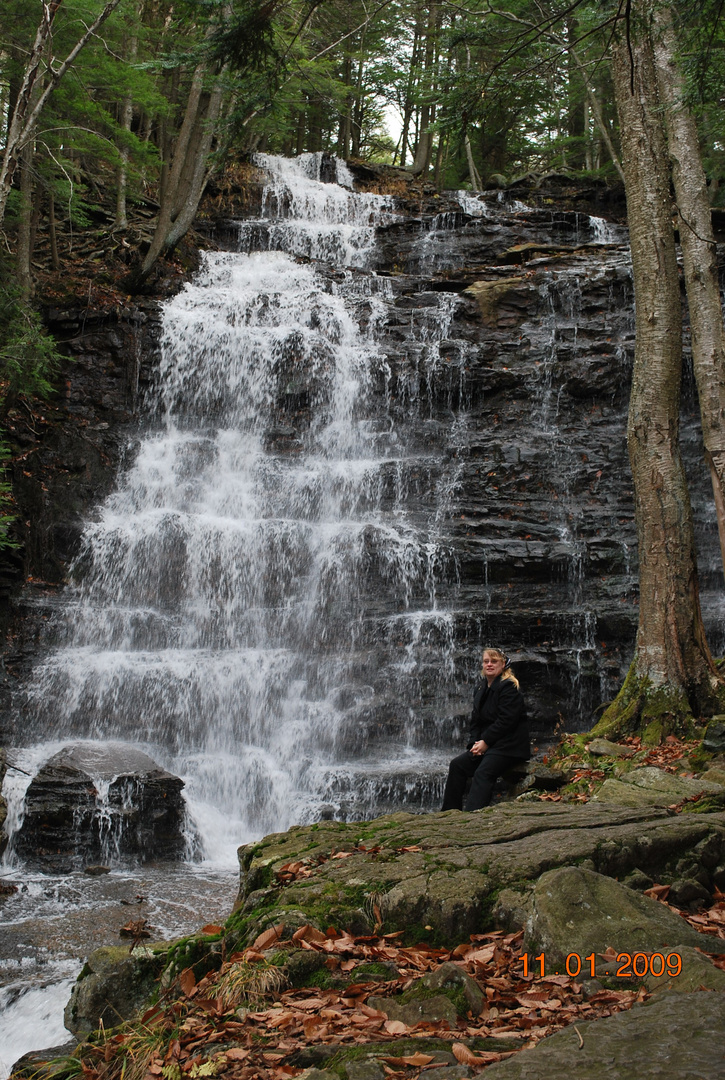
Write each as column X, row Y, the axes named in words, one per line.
column 479, row 748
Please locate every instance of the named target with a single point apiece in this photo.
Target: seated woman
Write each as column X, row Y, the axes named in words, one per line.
column 498, row 739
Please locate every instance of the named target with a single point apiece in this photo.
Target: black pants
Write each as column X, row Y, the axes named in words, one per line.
column 485, row 770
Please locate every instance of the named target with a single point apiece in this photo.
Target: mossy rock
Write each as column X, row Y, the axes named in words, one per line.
column 697, row 972
column 415, row 1009
column 653, row 787
column 337, row 1058
column 677, row 1035
column 643, row 709
column 577, row 911
column 437, row 877
column 714, row 739
column 113, row 986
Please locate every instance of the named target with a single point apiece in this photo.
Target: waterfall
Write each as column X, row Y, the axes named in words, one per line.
column 254, row 603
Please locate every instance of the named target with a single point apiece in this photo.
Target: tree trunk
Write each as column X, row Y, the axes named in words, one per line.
column 424, row 145
column 699, row 253
column 125, row 118
column 25, row 225
column 188, row 175
column 344, row 130
column 472, row 170
column 52, row 232
column 672, row 676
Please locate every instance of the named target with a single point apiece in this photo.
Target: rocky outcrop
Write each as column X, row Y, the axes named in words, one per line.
column 714, row 739
column 95, row 802
column 113, row 986
column 681, row 1035
column 573, row 910
column 653, row 787
column 522, row 406
column 446, row 871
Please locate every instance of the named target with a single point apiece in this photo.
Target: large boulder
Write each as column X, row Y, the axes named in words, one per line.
column 101, row 802
column 445, row 871
column 112, row 986
column 678, row 1035
column 696, row 973
column 573, row 910
column 714, row 739
column 650, row 786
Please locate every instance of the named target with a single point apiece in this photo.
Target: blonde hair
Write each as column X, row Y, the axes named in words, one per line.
column 507, row 673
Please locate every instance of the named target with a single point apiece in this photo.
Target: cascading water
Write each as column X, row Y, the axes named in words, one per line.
column 223, row 614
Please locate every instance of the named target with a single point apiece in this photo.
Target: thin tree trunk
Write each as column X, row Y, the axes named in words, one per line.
column 472, row 170
column 52, row 232
column 188, row 176
column 25, row 225
column 168, row 202
column 408, row 103
column 424, row 144
column 597, row 115
column 672, row 675
column 699, row 253
column 125, row 119
column 344, row 131
column 27, row 109
column 442, row 141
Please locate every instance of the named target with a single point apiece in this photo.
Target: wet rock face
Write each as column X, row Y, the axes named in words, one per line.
column 3, row 805
column 73, row 453
column 100, row 802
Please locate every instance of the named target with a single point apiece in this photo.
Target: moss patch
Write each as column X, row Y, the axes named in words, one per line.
column 641, row 708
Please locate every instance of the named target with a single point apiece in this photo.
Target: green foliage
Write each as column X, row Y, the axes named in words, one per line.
column 7, row 516
column 28, row 354
column 28, row 360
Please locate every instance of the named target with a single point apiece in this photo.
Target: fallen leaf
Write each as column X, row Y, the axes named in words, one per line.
column 464, row 1055
column 237, row 1053
column 658, row 892
column 309, row 933
column 416, row 1059
column 395, row 1027
column 187, row 981
column 268, row 937
column 211, row 928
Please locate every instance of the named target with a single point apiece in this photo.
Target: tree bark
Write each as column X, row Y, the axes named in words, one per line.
column 424, row 145
column 672, row 675
column 472, row 170
column 188, row 174
column 125, row 118
column 699, row 253
column 25, row 225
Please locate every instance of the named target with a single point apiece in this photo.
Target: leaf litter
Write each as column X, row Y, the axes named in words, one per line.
column 240, row 1021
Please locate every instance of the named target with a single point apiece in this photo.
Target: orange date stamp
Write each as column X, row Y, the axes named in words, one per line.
column 623, row 965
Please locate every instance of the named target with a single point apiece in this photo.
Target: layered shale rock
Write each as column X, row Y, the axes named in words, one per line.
column 100, row 803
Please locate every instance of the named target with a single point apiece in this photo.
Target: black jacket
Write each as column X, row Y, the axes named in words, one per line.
column 499, row 718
